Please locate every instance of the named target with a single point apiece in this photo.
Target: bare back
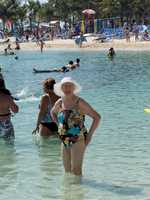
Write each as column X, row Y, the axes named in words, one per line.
column 6, row 106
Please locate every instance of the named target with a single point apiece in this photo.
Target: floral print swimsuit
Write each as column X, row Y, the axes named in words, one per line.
column 71, row 124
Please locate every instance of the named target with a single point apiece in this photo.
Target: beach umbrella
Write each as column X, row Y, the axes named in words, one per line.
column 89, row 12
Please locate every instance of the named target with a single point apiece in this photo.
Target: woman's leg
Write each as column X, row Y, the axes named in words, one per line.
column 77, row 154
column 66, row 155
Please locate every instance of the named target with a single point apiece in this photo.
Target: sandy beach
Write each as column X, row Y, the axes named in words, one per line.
column 91, row 44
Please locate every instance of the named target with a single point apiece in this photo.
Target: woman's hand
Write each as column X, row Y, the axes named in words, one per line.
column 35, row 130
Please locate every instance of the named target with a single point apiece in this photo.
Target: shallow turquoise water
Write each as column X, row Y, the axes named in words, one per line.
column 117, row 162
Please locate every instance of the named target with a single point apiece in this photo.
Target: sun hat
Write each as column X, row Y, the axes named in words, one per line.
column 58, row 86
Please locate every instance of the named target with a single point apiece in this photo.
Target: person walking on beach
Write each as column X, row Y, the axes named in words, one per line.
column 69, row 112
column 45, row 126
column 41, row 45
column 7, row 105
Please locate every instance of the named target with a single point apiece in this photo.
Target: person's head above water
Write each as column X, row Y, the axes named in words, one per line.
column 48, row 85
column 111, row 49
column 67, row 87
column 70, row 62
column 78, row 60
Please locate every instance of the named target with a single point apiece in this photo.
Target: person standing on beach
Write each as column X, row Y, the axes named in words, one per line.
column 45, row 126
column 41, row 45
column 7, row 105
column 136, row 31
column 127, row 34
column 69, row 112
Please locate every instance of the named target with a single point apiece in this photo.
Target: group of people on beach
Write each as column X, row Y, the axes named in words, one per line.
column 61, row 113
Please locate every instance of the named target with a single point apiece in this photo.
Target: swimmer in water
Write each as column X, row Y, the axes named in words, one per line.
column 16, row 58
column 71, row 65
column 77, row 62
column 111, row 53
column 66, row 68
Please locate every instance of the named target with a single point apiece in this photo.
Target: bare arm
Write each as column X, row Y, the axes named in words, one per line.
column 88, row 110
column 55, row 110
column 13, row 106
column 42, row 112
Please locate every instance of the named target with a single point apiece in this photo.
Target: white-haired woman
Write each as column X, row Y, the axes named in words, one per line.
column 69, row 112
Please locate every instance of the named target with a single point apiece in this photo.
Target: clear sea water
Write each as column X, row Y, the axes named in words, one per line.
column 117, row 162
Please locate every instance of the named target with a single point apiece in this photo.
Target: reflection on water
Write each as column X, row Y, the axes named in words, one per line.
column 118, row 189
column 72, row 188
column 50, row 166
column 8, row 165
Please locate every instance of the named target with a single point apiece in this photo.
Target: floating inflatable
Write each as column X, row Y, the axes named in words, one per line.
column 43, row 71
column 36, row 71
column 147, row 110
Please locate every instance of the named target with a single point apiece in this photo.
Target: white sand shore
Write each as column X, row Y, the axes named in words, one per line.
column 90, row 45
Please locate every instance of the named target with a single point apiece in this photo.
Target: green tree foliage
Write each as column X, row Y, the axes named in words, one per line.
column 68, row 9
column 8, row 8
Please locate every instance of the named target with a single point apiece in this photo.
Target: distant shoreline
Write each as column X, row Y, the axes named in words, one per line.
column 59, row 44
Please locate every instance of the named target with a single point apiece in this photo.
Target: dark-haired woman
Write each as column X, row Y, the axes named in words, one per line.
column 7, row 106
column 45, row 126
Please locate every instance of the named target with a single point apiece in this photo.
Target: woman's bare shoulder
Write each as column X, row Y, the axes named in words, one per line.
column 45, row 98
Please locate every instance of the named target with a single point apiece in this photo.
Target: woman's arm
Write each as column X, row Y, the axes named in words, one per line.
column 55, row 110
column 88, row 110
column 13, row 106
column 42, row 112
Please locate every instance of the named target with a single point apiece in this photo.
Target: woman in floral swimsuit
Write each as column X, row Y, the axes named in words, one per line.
column 69, row 112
